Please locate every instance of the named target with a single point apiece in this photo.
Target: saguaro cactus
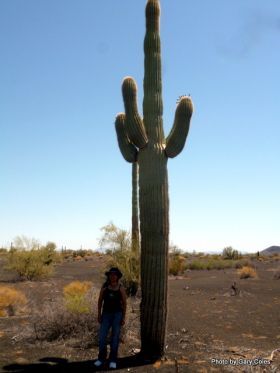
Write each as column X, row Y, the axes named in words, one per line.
column 135, row 210
column 143, row 140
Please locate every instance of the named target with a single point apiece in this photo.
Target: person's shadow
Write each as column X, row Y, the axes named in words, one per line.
column 54, row 364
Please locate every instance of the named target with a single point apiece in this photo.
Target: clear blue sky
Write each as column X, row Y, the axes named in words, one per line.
column 61, row 69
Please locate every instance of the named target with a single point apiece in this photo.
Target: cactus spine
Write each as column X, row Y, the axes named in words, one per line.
column 143, row 140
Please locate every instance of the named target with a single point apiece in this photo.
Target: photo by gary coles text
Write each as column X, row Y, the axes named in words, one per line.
column 252, row 362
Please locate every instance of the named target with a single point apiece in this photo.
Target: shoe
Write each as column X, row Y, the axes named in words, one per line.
column 98, row 363
column 113, row 365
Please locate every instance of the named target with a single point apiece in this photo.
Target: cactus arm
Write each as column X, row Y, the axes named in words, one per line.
column 134, row 124
column 175, row 141
column 127, row 149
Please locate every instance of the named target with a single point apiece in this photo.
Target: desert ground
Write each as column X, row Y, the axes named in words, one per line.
column 210, row 327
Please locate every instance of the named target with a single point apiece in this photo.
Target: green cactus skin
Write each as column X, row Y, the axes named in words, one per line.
column 153, row 149
column 127, row 149
column 130, row 152
column 135, row 210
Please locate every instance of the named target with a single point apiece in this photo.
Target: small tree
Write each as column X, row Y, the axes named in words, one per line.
column 118, row 243
column 230, row 253
column 25, row 243
column 114, row 238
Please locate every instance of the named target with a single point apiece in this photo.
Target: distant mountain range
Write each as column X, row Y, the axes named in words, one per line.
column 271, row 250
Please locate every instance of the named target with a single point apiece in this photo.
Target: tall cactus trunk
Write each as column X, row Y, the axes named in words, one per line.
column 153, row 197
column 154, row 227
column 135, row 209
column 143, row 140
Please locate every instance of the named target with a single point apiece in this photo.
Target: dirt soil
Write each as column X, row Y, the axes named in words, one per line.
column 209, row 328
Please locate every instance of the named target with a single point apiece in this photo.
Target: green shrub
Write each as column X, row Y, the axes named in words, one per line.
column 3, row 251
column 118, row 245
column 30, row 265
column 196, row 265
column 49, row 254
column 81, row 253
column 210, row 264
column 176, row 264
column 241, row 263
column 128, row 262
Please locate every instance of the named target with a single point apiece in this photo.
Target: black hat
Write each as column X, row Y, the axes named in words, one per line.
column 114, row 270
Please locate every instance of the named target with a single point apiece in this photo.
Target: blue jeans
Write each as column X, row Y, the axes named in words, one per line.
column 109, row 320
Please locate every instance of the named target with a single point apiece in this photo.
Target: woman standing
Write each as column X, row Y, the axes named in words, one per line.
column 111, row 314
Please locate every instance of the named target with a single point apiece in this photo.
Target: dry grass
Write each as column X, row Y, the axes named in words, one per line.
column 247, row 272
column 76, row 321
column 56, row 323
column 80, row 329
column 10, row 301
column 75, row 296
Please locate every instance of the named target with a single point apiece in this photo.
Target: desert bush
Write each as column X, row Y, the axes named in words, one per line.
column 128, row 262
column 66, row 253
column 29, row 265
column 230, row 253
column 186, row 255
column 49, row 254
column 55, row 322
column 209, row 264
column 247, row 272
column 10, row 300
column 218, row 264
column 176, row 264
column 118, row 245
column 29, row 259
column 81, row 253
column 75, row 296
column 175, row 250
column 197, row 265
column 241, row 263
column 3, row 251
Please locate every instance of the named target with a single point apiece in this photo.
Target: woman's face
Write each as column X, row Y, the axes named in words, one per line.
column 113, row 277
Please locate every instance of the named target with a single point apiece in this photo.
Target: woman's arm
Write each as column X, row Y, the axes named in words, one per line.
column 100, row 302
